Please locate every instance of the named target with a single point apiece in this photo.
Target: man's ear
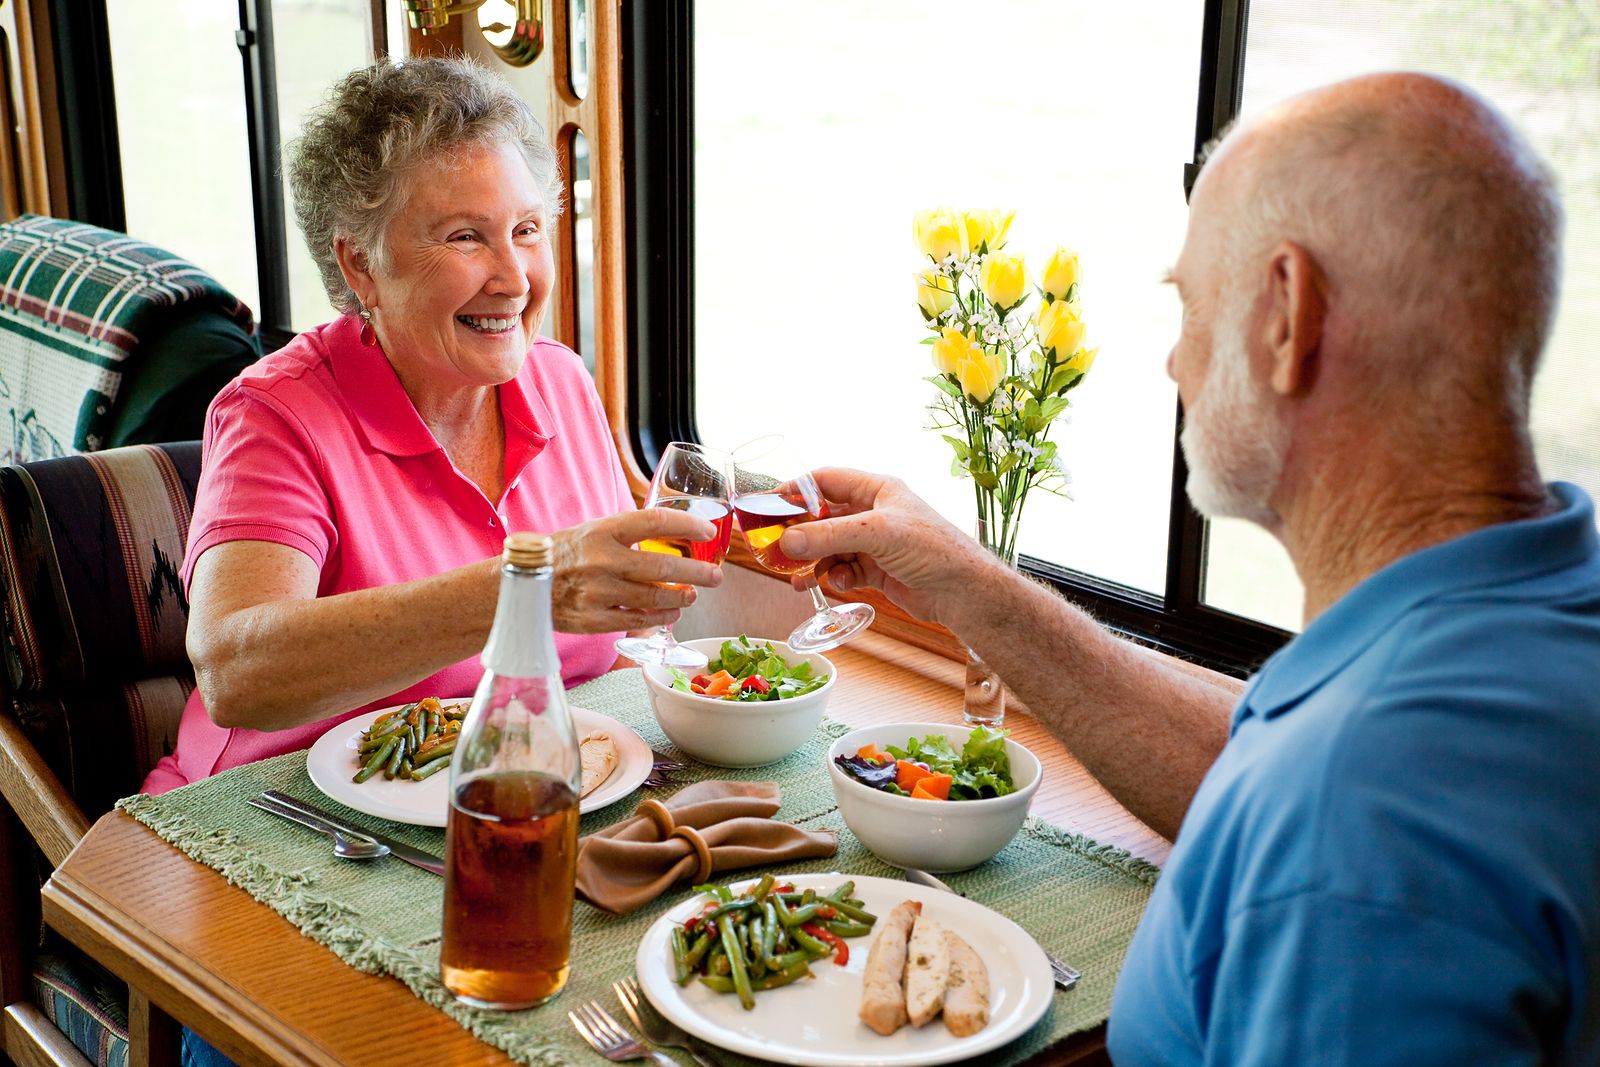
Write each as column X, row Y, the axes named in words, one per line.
column 356, row 269
column 1297, row 307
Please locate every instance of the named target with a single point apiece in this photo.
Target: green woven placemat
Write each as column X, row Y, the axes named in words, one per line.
column 1079, row 898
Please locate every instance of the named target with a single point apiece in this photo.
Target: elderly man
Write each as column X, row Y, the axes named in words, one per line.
column 1387, row 849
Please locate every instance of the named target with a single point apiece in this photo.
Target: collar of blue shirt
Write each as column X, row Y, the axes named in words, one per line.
column 1506, row 552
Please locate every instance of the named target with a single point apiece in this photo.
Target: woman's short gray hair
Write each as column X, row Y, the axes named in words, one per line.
column 349, row 168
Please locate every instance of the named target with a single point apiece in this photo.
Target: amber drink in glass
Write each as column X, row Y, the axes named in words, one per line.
column 772, row 492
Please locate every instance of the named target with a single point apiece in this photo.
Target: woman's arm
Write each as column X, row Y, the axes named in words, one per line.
column 269, row 654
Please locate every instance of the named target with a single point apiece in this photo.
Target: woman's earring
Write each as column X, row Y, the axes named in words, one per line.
column 369, row 336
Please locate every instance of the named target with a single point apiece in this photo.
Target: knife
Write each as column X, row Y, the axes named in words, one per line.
column 1066, row 976
column 414, row 856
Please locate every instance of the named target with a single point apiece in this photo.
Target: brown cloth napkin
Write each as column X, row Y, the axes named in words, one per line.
column 705, row 827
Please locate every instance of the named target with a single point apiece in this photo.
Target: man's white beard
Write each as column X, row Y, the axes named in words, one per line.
column 1234, row 439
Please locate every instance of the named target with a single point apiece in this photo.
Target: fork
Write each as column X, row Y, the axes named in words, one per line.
column 656, row 1027
column 596, row 1026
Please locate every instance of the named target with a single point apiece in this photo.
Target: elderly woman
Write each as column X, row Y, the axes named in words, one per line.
column 358, row 484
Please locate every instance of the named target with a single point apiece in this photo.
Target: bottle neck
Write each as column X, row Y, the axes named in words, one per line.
column 522, row 641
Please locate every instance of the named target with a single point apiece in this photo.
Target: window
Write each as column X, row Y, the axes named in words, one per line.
column 774, row 222
column 812, row 153
column 200, row 135
column 1540, row 63
column 180, row 111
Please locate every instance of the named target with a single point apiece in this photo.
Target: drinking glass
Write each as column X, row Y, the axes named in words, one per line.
column 772, row 491
column 694, row 479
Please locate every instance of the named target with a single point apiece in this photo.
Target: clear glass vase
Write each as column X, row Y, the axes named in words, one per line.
column 985, row 697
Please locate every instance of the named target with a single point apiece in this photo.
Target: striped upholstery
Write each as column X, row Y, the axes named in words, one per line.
column 87, row 1005
column 105, row 340
column 95, row 615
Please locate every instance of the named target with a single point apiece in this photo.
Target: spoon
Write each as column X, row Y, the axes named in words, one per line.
column 346, row 846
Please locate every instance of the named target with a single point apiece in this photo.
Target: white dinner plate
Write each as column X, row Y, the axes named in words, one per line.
column 332, row 763
column 815, row 1022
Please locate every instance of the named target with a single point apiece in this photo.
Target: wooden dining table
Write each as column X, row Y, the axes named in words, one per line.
column 197, row 951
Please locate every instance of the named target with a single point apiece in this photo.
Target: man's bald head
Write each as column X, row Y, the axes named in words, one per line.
column 1435, row 223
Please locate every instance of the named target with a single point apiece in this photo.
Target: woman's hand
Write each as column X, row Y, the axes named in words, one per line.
column 603, row 584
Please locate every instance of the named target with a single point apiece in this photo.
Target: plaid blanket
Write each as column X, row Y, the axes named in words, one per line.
column 75, row 302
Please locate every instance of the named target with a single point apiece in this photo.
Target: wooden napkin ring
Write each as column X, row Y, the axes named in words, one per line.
column 658, row 814
column 701, row 850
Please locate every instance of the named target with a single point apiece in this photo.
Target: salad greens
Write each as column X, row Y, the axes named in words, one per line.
column 979, row 771
column 743, row 660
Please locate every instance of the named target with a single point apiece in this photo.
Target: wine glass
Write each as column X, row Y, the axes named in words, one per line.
column 694, row 479
column 772, row 491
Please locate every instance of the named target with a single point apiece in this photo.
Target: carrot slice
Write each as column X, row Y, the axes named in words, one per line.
column 720, row 683
column 871, row 752
column 907, row 774
column 932, row 787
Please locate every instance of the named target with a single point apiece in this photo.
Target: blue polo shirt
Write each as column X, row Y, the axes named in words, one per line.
column 1396, row 858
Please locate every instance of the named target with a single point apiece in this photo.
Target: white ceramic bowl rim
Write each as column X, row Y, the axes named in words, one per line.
column 922, row 729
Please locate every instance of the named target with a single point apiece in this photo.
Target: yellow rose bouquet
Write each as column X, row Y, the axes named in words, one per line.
column 1003, row 370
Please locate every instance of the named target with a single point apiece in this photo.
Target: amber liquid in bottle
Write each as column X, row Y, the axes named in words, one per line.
column 513, row 852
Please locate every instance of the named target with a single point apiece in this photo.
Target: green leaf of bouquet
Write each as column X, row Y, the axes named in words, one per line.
column 1010, row 462
column 946, row 386
column 928, row 340
column 963, row 450
column 1054, row 406
column 986, row 479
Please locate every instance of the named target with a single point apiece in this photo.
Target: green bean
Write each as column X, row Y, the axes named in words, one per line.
column 771, row 981
column 405, row 768
column 763, row 888
column 817, row 948
column 429, row 769
column 860, row 915
column 804, row 915
column 376, row 738
column 728, row 908
column 847, row 929
column 395, row 758
column 698, row 949
column 377, row 760
column 741, row 978
column 718, row 963
column 757, row 964
column 680, row 956
column 769, row 933
column 842, row 893
column 785, row 916
column 436, row 747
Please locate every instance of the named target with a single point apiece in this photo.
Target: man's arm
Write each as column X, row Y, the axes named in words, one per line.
column 1145, row 726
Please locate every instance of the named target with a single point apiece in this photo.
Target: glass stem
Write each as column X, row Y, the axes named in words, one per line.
column 817, row 598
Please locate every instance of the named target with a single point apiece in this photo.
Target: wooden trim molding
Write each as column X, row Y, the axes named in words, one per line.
column 36, row 179
column 598, row 114
column 37, row 795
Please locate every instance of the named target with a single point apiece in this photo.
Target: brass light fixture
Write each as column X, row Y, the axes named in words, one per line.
column 524, row 43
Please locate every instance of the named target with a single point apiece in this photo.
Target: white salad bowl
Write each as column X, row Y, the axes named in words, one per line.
column 932, row 835
column 737, row 733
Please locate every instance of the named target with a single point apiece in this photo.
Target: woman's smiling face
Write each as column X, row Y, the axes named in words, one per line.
column 470, row 270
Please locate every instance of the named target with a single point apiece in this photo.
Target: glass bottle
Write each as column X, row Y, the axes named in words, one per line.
column 511, row 845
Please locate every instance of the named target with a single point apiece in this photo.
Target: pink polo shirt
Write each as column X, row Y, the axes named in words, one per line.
column 318, row 447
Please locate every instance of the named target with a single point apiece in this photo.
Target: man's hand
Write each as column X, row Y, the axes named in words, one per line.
column 881, row 534
column 602, row 584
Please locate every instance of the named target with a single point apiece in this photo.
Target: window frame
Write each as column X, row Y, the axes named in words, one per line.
column 658, row 97
column 89, row 131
